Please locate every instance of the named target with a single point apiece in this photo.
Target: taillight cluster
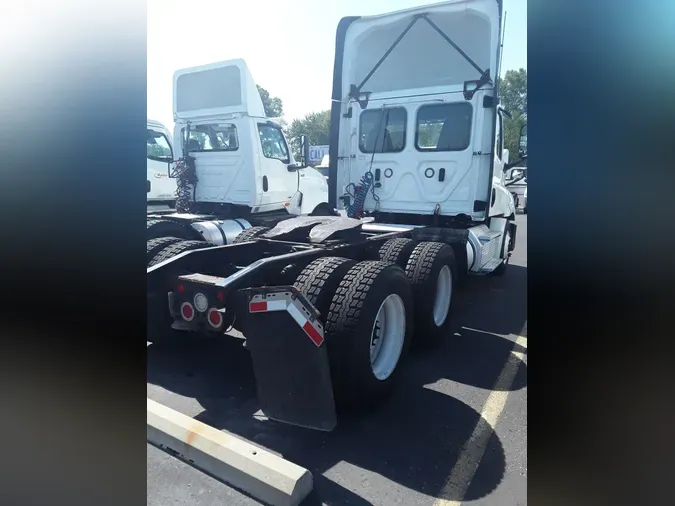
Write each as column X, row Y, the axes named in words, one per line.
column 201, row 307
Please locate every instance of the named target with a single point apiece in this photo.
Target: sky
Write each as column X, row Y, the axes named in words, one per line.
column 288, row 46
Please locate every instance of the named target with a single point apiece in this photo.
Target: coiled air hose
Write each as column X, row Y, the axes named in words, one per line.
column 355, row 210
column 185, row 173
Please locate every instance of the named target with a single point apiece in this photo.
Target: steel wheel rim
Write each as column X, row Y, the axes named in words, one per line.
column 387, row 336
column 443, row 296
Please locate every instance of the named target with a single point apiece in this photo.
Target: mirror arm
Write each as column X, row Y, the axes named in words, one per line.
column 510, row 165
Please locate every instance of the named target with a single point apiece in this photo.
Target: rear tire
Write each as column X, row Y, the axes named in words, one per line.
column 432, row 271
column 177, row 248
column 158, row 244
column 350, row 329
column 397, row 251
column 320, row 279
column 250, row 234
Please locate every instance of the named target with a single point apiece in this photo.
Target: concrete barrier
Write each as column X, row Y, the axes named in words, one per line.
column 246, row 467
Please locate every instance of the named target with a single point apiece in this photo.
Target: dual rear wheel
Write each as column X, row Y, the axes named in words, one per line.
column 371, row 309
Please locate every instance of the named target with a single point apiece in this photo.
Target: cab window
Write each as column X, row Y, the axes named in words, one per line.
column 382, row 130
column 212, row 137
column 443, row 127
column 273, row 143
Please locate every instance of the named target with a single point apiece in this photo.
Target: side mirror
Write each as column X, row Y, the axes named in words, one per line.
column 148, row 186
column 303, row 163
column 523, row 140
column 304, row 150
column 505, row 156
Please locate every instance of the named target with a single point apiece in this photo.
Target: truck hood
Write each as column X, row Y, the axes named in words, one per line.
column 217, row 89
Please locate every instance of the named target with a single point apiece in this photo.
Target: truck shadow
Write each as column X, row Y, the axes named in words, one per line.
column 414, row 439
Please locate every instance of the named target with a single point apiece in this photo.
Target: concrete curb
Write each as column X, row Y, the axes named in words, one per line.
column 255, row 471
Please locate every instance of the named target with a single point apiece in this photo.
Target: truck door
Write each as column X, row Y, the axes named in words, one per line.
column 278, row 183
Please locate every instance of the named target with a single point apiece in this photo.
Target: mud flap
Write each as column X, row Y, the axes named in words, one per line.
column 290, row 360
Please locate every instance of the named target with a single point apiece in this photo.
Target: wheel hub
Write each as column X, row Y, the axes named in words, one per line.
column 443, row 296
column 387, row 336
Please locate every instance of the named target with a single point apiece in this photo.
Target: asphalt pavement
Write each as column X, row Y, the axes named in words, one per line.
column 454, row 432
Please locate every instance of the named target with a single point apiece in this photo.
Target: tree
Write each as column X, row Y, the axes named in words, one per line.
column 315, row 125
column 513, row 93
column 274, row 107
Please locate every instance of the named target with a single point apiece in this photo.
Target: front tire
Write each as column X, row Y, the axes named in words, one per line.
column 368, row 329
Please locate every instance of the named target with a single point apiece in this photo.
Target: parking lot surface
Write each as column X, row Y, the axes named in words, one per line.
column 454, row 432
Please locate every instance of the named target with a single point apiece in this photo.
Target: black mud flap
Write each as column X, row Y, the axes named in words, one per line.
column 285, row 338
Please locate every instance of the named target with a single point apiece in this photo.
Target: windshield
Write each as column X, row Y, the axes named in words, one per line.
column 212, row 137
column 158, row 147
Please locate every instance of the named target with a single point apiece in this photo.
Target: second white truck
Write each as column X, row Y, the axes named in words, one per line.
column 160, row 153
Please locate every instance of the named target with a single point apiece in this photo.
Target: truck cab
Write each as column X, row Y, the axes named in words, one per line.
column 160, row 153
column 243, row 161
column 430, row 134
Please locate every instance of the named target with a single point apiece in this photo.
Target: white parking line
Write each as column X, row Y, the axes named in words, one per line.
column 473, row 450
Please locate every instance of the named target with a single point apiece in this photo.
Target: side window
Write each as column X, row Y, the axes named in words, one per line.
column 443, row 127
column 382, row 130
column 500, row 135
column 213, row 137
column 273, row 142
column 158, row 147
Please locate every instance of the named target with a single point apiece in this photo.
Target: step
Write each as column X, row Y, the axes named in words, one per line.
column 484, row 234
column 491, row 265
column 488, row 236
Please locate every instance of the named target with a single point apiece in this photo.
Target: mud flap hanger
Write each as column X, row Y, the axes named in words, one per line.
column 470, row 87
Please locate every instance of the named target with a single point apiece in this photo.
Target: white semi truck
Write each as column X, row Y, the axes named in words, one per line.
column 234, row 166
column 161, row 188
column 330, row 303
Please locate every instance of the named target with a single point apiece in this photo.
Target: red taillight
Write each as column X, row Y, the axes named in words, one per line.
column 180, row 288
column 220, row 296
column 187, row 311
column 215, row 317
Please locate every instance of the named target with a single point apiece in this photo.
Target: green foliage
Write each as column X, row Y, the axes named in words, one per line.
column 274, row 107
column 429, row 134
column 315, row 125
column 513, row 93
